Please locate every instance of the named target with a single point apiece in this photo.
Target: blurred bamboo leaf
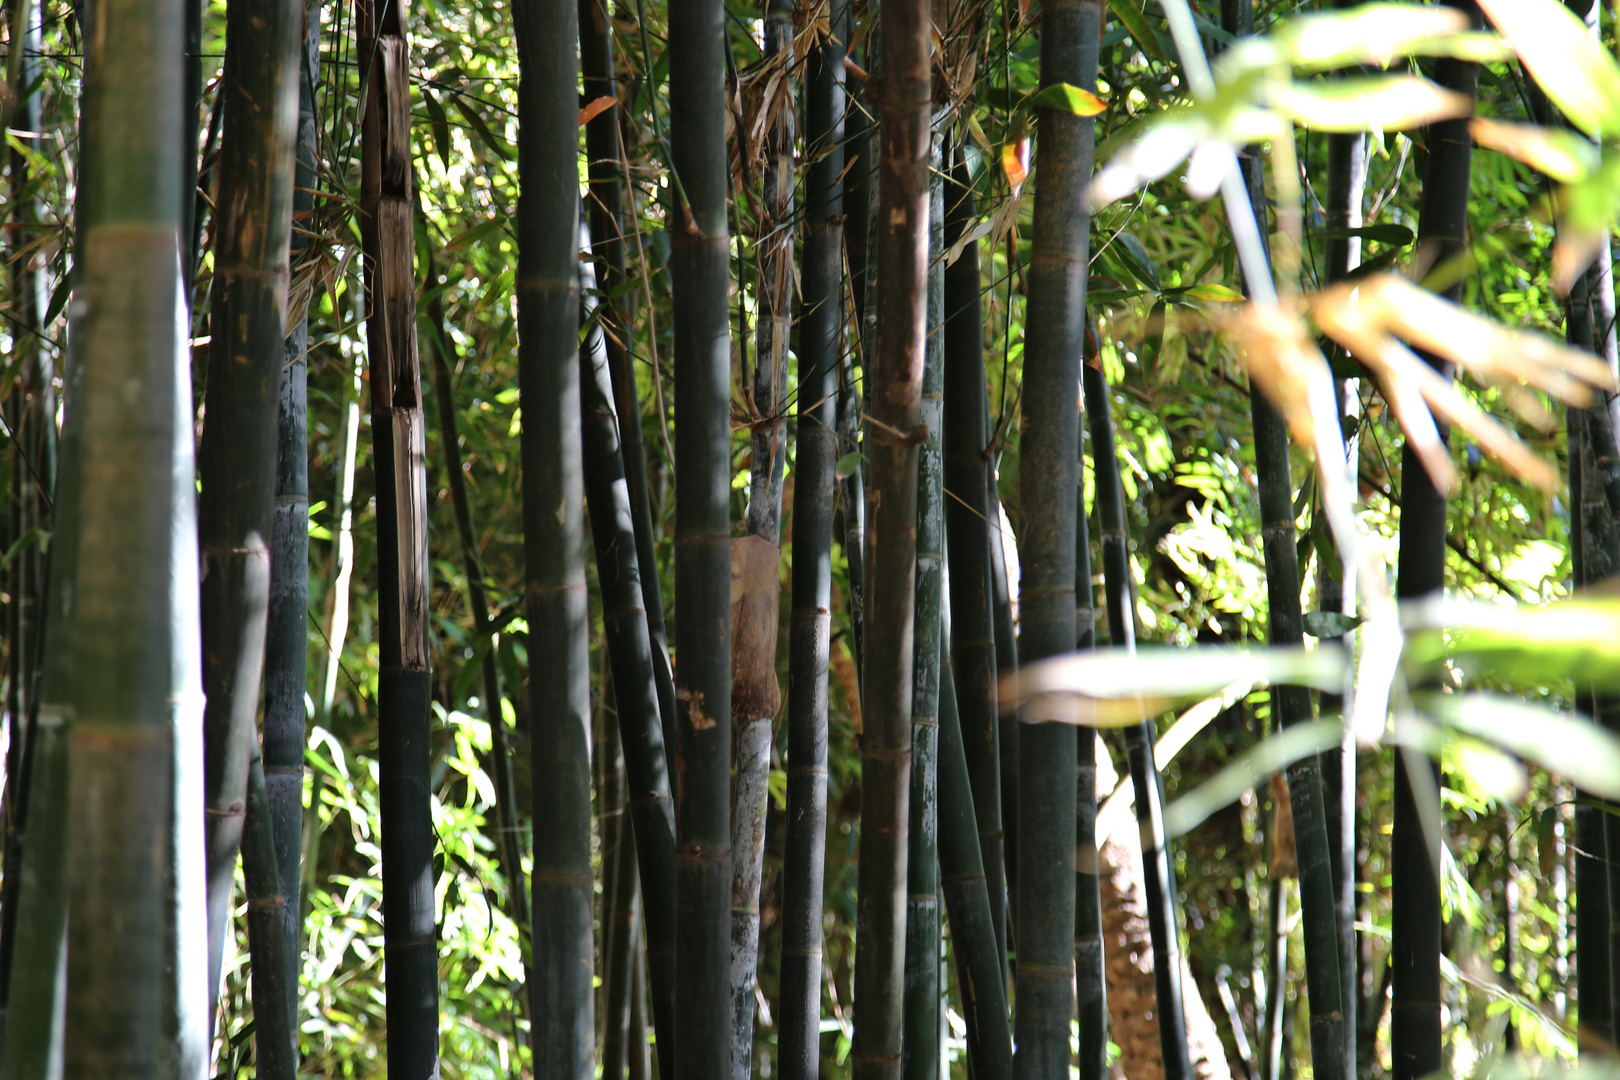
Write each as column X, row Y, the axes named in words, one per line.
column 1562, row 155
column 1569, row 64
column 1391, row 103
column 1067, row 98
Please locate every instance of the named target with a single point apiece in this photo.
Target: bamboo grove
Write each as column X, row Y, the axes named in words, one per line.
column 894, row 539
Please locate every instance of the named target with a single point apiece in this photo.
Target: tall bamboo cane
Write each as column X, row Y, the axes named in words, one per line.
column 893, row 430
column 286, row 658
column 754, row 693
column 137, row 979
column 859, row 155
column 1330, row 1051
column 1090, row 976
column 972, row 532
column 980, row 961
column 821, row 339
column 275, row 1039
column 398, row 432
column 922, row 963
column 701, row 277
column 605, row 155
column 1415, row 1026
column 1157, row 865
column 632, row 657
column 508, row 837
column 238, row 452
column 548, row 289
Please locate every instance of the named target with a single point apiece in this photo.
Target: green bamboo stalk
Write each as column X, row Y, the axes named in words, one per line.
column 920, row 1045
column 632, row 658
column 821, row 340
column 1291, row 705
column 893, row 429
column 1158, row 866
column 972, row 532
column 286, row 657
column 754, row 694
column 32, row 422
column 1346, row 187
column 980, row 958
column 1049, row 453
column 35, row 1015
column 548, row 290
column 621, row 924
column 1090, row 976
column 137, row 977
column 275, row 1039
column 1415, row 1026
column 398, row 431
column 1276, row 1003
column 1006, row 646
column 858, row 172
column 608, row 214
column 238, row 451
column 700, row 276
column 508, row 834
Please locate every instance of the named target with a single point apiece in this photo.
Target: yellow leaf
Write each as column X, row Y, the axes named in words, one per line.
column 1015, row 161
column 1390, row 104
column 1562, row 155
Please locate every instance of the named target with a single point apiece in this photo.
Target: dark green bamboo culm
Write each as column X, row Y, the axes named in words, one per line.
column 398, row 441
column 508, row 834
column 893, row 395
column 238, row 451
column 980, row 961
column 972, row 532
column 1415, row 1025
column 620, row 912
column 1006, row 646
column 1336, row 590
column 1331, row 1052
column 548, row 292
column 923, row 928
column 605, row 159
column 275, row 1040
column 821, row 338
column 1090, row 976
column 755, row 696
column 631, row 657
column 857, row 183
column 38, row 968
column 700, row 275
column 137, row 997
column 286, row 654
column 1159, row 883
column 1048, row 485
column 1592, row 900
column 32, row 420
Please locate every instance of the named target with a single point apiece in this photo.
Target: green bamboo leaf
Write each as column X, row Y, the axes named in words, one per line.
column 1066, row 98
column 438, row 124
column 1390, row 103
column 1570, row 64
column 1221, row 294
column 468, row 237
column 846, row 466
column 1131, row 17
column 1380, row 33
column 59, row 299
column 1522, row 647
column 1570, row 745
column 1561, row 154
column 500, row 147
column 1329, row 624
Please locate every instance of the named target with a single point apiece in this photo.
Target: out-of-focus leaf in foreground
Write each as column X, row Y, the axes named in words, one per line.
column 1522, row 647
column 1571, row 745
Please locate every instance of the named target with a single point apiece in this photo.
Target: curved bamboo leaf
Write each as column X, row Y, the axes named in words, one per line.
column 1562, row 155
column 1392, row 103
column 1570, row 64
column 1264, row 758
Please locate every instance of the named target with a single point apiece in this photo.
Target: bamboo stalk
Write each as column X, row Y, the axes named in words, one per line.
column 1291, row 705
column 920, row 1046
column 398, row 438
column 621, row 922
column 754, row 694
column 275, row 1041
column 972, row 532
column 286, row 657
column 980, row 961
column 238, row 451
column 1157, row 864
column 700, row 276
column 858, row 197
column 137, row 998
column 894, row 370
column 605, row 154
column 632, row 659
column 1090, row 975
column 508, row 834
column 1006, row 646
column 821, row 341
column 548, row 290
column 1415, row 1022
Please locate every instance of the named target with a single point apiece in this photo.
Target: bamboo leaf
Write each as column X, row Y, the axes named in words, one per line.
column 1131, row 17
column 1380, row 33
column 438, row 124
column 1570, row 64
column 1329, row 624
column 1015, row 161
column 468, row 237
column 1387, row 233
column 1063, row 97
column 1523, row 646
column 1570, row 745
column 847, row 465
column 1392, row 103
column 1220, row 294
column 1264, row 758
column 1562, row 155
column 596, row 108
